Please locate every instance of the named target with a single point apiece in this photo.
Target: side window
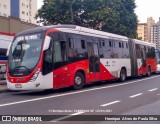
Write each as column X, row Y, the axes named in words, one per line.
column 110, row 43
column 117, row 50
column 126, row 50
column 60, row 51
column 107, row 49
column 138, row 51
column 153, row 52
column 120, row 45
column 127, row 45
column 83, row 45
column 150, row 52
column 77, row 48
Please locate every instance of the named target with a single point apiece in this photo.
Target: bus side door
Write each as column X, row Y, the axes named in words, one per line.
column 94, row 61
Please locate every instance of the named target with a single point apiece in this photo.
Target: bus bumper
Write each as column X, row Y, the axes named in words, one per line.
column 41, row 83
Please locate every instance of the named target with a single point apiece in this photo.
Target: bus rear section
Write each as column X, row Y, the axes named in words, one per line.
column 143, row 59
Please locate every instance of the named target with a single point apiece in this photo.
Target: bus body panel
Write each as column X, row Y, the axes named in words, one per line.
column 114, row 66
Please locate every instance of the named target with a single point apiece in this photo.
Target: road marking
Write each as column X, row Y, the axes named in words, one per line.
column 77, row 92
column 78, row 113
column 111, row 103
column 68, row 116
column 153, row 89
column 133, row 96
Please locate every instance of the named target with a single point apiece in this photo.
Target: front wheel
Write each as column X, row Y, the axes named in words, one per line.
column 123, row 75
column 78, row 81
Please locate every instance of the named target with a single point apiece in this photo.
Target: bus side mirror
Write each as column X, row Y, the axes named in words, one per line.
column 46, row 43
column 7, row 54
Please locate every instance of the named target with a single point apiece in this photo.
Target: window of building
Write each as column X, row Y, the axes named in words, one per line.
column 4, row 6
column 23, row 12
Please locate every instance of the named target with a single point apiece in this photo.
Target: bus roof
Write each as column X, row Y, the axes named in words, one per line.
column 77, row 30
column 144, row 43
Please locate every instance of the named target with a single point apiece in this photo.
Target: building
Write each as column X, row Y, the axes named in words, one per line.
column 150, row 22
column 5, row 8
column 142, row 31
column 22, row 9
column 155, row 34
column 14, row 25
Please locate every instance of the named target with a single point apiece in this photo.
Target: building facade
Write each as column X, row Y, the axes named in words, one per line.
column 155, row 34
column 150, row 23
column 22, row 9
column 5, row 8
column 142, row 31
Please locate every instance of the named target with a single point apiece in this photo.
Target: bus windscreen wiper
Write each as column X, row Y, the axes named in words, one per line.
column 18, row 67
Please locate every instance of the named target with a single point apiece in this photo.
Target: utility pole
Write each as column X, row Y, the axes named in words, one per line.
column 71, row 11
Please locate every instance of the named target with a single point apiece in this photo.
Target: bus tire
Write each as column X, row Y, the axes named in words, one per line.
column 149, row 71
column 123, row 75
column 78, row 81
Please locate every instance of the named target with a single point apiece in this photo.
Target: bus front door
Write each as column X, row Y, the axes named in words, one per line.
column 94, row 62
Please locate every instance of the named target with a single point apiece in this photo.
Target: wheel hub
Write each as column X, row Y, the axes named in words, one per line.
column 78, row 80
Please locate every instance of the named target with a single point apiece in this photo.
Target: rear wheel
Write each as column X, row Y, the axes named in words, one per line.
column 123, row 75
column 78, row 81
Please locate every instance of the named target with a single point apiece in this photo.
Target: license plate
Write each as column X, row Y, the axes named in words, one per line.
column 18, row 86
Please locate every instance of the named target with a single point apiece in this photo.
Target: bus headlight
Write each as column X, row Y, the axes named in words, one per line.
column 34, row 77
column 158, row 65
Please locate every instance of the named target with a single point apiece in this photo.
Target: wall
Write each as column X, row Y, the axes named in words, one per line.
column 14, row 25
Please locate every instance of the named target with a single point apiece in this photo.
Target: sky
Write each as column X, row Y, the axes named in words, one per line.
column 144, row 9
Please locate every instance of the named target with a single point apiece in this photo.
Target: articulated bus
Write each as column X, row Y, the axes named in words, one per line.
column 5, row 41
column 67, row 55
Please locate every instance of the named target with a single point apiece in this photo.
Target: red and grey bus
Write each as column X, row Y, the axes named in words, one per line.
column 68, row 55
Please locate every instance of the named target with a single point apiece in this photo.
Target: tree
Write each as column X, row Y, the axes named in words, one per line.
column 115, row 16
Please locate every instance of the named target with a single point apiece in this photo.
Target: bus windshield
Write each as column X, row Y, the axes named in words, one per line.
column 25, row 52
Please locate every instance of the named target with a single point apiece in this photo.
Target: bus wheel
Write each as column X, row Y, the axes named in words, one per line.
column 123, row 75
column 78, row 81
column 149, row 71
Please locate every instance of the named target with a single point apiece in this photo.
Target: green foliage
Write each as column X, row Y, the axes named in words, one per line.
column 115, row 16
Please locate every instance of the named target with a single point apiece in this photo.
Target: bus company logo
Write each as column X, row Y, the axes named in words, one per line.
column 6, row 118
column 20, row 79
column 107, row 63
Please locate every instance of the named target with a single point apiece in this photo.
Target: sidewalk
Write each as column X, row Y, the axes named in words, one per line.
column 3, row 86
